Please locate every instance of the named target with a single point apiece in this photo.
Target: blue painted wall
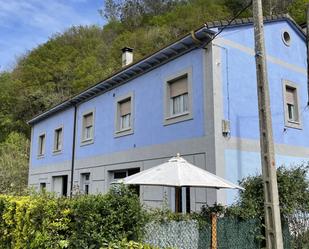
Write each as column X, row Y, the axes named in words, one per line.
column 47, row 126
column 149, row 128
column 239, row 83
column 148, row 124
column 240, row 97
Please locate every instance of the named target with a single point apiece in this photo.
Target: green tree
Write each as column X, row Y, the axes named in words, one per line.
column 293, row 187
column 14, row 162
column 298, row 10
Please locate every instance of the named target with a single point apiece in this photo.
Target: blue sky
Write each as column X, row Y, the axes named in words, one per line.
column 24, row 24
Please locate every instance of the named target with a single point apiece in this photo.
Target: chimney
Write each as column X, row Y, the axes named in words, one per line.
column 127, row 56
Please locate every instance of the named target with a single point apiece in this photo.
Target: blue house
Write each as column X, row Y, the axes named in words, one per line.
column 196, row 97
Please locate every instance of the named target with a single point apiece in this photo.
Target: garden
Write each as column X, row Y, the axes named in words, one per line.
column 118, row 219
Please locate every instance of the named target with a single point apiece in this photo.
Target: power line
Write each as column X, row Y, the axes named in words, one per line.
column 232, row 20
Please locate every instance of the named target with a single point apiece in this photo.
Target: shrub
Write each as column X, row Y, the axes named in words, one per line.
column 45, row 221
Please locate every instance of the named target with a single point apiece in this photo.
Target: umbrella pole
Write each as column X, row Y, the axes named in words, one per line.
column 177, row 200
column 213, row 231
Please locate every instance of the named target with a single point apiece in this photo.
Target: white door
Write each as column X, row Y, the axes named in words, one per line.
column 58, row 185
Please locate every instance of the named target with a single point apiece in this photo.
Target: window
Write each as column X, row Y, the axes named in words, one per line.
column 292, row 114
column 85, row 183
column 179, row 96
column 42, row 186
column 286, row 38
column 87, row 134
column 124, row 115
column 41, row 149
column 178, row 102
column 58, row 140
column 119, row 174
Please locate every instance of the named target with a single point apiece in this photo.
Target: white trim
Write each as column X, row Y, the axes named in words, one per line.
column 250, row 51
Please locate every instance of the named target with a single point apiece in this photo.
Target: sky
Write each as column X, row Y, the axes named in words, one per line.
column 24, row 24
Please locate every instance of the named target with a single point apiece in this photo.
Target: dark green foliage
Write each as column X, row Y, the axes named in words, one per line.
column 14, row 162
column 82, row 56
column 105, row 218
column 293, row 187
column 44, row 221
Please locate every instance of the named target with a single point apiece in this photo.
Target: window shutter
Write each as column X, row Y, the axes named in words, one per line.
column 125, row 107
column 88, row 120
column 179, row 87
column 290, row 95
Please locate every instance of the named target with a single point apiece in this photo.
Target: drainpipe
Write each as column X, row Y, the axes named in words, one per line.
column 73, row 151
column 307, row 29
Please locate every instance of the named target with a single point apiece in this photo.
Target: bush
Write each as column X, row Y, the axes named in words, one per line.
column 45, row 221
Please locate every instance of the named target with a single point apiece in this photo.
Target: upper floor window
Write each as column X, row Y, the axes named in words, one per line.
column 41, row 145
column 178, row 99
column 179, row 96
column 292, row 113
column 58, row 140
column 124, row 115
column 87, row 133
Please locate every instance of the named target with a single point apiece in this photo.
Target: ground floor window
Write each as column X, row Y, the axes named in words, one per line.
column 42, row 186
column 85, row 183
column 120, row 174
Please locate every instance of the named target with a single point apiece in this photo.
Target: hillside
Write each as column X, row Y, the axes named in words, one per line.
column 82, row 56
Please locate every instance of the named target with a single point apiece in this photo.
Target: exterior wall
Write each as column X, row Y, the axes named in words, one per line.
column 241, row 149
column 152, row 141
column 43, row 168
column 148, row 120
column 223, row 88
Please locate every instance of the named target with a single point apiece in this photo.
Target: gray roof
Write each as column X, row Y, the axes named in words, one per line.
column 195, row 39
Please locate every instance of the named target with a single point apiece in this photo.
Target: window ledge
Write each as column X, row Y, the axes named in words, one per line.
column 124, row 132
column 87, row 141
column 293, row 124
column 178, row 118
column 57, row 152
column 40, row 156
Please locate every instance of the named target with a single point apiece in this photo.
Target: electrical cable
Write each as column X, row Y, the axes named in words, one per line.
column 229, row 22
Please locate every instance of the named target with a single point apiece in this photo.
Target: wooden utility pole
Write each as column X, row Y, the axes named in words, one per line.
column 307, row 29
column 273, row 230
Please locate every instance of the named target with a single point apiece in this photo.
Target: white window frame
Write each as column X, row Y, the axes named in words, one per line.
column 41, row 153
column 118, row 120
column 85, row 140
column 297, row 124
column 169, row 117
column 56, row 150
column 85, row 182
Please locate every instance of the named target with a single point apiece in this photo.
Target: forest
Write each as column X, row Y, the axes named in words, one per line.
column 83, row 55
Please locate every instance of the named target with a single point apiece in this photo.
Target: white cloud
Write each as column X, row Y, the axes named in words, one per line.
column 24, row 24
column 51, row 15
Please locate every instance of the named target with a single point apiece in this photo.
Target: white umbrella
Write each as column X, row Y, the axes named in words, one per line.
column 177, row 172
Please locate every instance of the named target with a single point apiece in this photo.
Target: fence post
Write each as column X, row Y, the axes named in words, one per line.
column 213, row 231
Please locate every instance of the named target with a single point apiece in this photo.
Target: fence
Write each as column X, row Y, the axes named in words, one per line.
column 231, row 234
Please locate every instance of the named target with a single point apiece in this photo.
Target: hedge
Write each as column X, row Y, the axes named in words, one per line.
column 45, row 221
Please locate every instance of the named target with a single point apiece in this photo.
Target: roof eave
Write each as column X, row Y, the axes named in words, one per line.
column 184, row 45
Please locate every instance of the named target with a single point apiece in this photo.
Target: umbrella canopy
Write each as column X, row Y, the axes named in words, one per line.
column 177, row 172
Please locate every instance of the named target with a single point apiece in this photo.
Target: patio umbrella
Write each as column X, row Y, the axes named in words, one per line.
column 177, row 172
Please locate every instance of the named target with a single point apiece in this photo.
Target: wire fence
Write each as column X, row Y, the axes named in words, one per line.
column 231, row 234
